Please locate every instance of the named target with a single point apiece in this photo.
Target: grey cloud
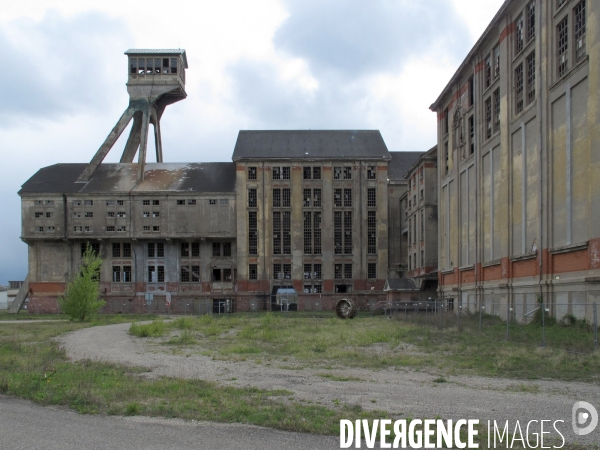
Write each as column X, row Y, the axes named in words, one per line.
column 59, row 65
column 356, row 37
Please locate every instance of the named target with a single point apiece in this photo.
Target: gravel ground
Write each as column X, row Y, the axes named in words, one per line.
column 400, row 392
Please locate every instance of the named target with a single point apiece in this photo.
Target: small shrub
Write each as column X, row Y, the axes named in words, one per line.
column 186, row 337
column 154, row 329
column 132, row 409
column 184, row 323
column 568, row 320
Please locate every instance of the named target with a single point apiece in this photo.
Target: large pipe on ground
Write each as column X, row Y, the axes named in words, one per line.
column 345, row 309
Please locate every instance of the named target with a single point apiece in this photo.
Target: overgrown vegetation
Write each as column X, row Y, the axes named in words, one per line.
column 154, row 329
column 299, row 340
column 80, row 301
column 41, row 372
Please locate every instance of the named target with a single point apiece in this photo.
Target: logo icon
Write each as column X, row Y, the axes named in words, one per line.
column 584, row 417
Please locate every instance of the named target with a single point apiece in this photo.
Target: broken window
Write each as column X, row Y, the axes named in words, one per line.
column 212, row 202
column 317, row 233
column 519, row 89
column 39, row 215
column 287, row 235
column 126, row 274
column 307, row 271
column 372, row 270
column 317, row 274
column 146, row 228
column 286, row 173
column 348, row 271
column 337, row 271
column 146, row 202
column 191, row 202
column 277, row 272
column 227, row 249
column 306, row 173
column 110, row 214
column 226, row 274
column 371, row 173
column 348, row 232
column 157, row 65
column 497, row 110
column 185, row 249
column 120, row 202
column 337, row 198
column 563, row 45
column 317, row 198
column 185, row 274
column 471, row 123
column 347, row 173
column 110, row 203
column 488, row 119
column 337, row 232
column 116, row 274
column 146, row 214
column 253, row 272
column 287, row 271
column 337, row 173
column 519, row 35
column 88, row 229
column 252, row 233
column 372, row 232
column 307, row 198
column 156, row 228
column 122, row 215
column 155, row 214
column 195, row 249
column 287, row 198
column 276, row 198
column 50, row 229
column 116, row 250
column 126, row 250
column 471, row 91
column 372, row 197
column 216, row 248
column 155, row 202
column 496, row 61
column 307, row 233
column 252, row 172
column 277, row 233
column 347, row 198
column 180, row 202
column 530, row 14
column 276, row 173
column 76, row 229
column 252, row 198
column 110, row 228
column 173, row 65
column 316, row 173
column 133, row 65
column 89, row 214
column 95, row 246
column 488, row 71
column 579, row 30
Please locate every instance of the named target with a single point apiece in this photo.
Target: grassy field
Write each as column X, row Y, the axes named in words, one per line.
column 301, row 340
column 33, row 367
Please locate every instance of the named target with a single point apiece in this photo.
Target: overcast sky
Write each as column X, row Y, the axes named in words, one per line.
column 253, row 64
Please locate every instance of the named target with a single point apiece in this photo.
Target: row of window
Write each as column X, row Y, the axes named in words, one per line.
column 412, row 229
column 312, row 271
column 412, row 260
column 146, row 202
column 282, row 198
column 312, row 173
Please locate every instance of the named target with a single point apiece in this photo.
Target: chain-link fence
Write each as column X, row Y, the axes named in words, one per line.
column 572, row 327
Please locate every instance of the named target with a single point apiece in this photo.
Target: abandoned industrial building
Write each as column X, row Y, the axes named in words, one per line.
column 295, row 221
column 503, row 211
column 519, row 163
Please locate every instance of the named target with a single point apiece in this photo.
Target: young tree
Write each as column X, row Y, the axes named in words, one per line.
column 80, row 301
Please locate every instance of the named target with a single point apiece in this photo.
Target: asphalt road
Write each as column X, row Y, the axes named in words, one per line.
column 25, row 425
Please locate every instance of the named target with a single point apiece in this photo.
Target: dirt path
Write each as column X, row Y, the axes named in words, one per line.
column 407, row 393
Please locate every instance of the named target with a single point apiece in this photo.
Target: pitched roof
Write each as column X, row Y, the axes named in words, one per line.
column 400, row 284
column 158, row 52
column 400, row 163
column 310, row 144
column 122, row 178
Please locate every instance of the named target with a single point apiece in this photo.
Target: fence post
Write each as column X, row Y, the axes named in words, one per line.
column 595, row 326
column 507, row 317
column 480, row 312
column 458, row 307
column 543, row 324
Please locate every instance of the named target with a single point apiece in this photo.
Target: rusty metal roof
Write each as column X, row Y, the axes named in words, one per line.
column 122, row 178
column 310, row 144
column 159, row 52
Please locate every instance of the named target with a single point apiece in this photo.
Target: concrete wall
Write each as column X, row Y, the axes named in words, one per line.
column 519, row 216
